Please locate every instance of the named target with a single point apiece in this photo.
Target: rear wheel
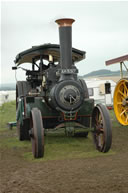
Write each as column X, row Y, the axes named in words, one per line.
column 22, row 89
column 121, row 101
column 37, row 133
column 23, row 130
column 102, row 133
column 19, row 91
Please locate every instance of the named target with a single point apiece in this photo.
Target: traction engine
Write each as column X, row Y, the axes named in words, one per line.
column 53, row 97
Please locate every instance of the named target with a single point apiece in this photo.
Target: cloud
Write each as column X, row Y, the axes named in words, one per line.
column 100, row 29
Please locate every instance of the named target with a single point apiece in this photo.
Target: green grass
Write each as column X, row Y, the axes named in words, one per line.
column 60, row 147
column 7, row 114
column 11, row 140
column 57, row 145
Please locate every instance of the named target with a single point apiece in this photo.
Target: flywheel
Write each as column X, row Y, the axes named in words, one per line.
column 121, row 101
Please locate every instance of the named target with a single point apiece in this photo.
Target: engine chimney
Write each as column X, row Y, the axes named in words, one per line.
column 65, row 34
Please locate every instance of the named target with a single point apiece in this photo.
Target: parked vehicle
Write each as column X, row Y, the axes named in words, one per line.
column 101, row 91
column 53, row 97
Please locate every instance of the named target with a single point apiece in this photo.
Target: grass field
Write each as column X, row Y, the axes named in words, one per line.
column 57, row 145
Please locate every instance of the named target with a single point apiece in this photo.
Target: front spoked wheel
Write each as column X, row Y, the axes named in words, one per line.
column 102, row 133
column 37, row 133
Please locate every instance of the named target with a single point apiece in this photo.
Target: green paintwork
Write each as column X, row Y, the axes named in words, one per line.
column 46, row 111
column 20, row 111
column 87, row 108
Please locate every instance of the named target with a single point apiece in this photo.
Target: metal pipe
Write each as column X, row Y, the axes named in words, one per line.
column 121, row 70
column 65, row 35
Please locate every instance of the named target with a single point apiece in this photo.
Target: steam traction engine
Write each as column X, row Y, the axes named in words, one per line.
column 53, row 97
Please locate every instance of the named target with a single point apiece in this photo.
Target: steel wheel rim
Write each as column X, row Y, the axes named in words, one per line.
column 102, row 133
column 121, row 101
column 99, row 130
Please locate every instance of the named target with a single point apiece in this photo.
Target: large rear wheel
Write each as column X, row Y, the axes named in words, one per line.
column 102, row 133
column 23, row 130
column 37, row 133
column 22, row 89
column 121, row 101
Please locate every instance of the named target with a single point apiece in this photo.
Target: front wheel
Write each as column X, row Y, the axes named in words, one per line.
column 37, row 133
column 102, row 133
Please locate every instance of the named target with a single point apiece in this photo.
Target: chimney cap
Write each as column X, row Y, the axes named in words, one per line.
column 64, row 22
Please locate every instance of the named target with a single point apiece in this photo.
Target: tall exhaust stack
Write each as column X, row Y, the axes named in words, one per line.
column 65, row 35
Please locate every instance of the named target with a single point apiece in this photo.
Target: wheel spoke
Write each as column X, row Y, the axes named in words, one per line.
column 122, row 93
column 96, row 120
column 122, row 98
column 123, row 112
column 101, row 129
column 126, row 89
column 99, row 141
column 100, row 118
column 119, row 103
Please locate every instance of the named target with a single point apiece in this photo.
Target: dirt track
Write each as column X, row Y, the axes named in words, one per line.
column 88, row 175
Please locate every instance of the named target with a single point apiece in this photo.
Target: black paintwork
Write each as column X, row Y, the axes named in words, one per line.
column 33, row 54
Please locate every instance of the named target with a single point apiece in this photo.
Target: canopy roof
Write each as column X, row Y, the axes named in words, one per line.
column 45, row 50
column 117, row 60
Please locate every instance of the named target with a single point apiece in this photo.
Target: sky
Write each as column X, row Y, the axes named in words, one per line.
column 100, row 29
